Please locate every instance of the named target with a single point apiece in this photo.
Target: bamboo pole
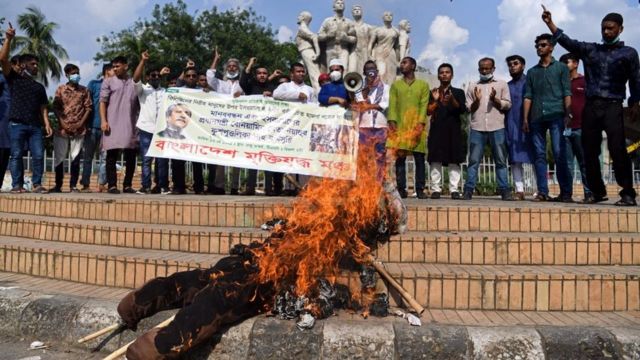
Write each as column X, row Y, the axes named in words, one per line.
column 98, row 333
column 404, row 293
column 114, row 355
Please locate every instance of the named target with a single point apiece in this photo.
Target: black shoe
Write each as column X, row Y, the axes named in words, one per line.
column 143, row 191
column 562, row 198
column 541, row 198
column 467, row 195
column 55, row 190
column 178, row 192
column 506, row 195
column 403, row 193
column 128, row 190
column 436, row 195
column 155, row 190
column 216, row 191
column 421, row 195
column 234, row 192
column 626, row 200
column 113, row 190
column 454, row 196
column 199, row 192
column 290, row 192
column 248, row 192
column 593, row 199
column 74, row 189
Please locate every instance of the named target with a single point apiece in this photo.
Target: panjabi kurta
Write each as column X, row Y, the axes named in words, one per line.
column 445, row 131
column 518, row 141
column 122, row 113
column 408, row 108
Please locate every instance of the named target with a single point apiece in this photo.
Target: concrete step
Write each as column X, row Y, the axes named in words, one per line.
column 481, row 214
column 461, row 287
column 472, row 247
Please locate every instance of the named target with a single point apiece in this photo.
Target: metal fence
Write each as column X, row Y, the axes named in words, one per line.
column 486, row 172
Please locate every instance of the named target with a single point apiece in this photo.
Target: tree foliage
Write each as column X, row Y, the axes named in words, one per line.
column 172, row 36
column 40, row 42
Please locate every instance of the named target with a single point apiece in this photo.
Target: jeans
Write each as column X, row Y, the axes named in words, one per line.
column 539, row 140
column 145, row 142
column 91, row 144
column 420, row 175
column 162, row 173
column 605, row 115
column 21, row 134
column 477, row 141
column 573, row 148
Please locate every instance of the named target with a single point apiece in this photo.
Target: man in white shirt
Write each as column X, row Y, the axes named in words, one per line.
column 372, row 101
column 150, row 96
column 229, row 85
column 295, row 91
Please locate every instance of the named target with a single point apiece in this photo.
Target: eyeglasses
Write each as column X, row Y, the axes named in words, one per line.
column 541, row 45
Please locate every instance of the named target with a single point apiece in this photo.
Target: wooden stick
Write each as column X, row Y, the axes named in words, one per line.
column 114, row 355
column 405, row 295
column 293, row 181
column 98, row 333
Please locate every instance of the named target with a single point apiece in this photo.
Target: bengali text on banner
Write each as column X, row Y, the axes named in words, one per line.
column 256, row 132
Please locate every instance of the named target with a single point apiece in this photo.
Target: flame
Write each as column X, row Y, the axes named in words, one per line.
column 322, row 229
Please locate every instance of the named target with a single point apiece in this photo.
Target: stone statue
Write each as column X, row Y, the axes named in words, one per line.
column 383, row 47
column 308, row 47
column 404, row 46
column 337, row 34
column 359, row 52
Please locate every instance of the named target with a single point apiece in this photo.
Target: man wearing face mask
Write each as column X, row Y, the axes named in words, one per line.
column 229, row 85
column 487, row 100
column 72, row 105
column 372, row 102
column 27, row 115
column 608, row 67
column 150, row 96
column 334, row 92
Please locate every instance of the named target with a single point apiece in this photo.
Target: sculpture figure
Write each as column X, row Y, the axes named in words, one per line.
column 309, row 48
column 359, row 52
column 337, row 34
column 383, row 47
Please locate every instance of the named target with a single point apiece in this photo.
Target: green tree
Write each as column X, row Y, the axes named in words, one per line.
column 172, row 35
column 40, row 42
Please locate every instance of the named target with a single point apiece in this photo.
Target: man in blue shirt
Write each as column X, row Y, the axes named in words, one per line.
column 608, row 67
column 94, row 135
column 334, row 92
column 547, row 102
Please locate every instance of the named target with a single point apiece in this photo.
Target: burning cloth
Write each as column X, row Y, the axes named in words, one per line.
column 294, row 273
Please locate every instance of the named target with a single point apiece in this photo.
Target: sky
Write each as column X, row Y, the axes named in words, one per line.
column 455, row 31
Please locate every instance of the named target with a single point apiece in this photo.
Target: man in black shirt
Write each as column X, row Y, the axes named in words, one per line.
column 259, row 82
column 27, row 113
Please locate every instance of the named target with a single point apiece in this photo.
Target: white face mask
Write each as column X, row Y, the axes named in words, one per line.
column 335, row 76
column 231, row 75
column 486, row 77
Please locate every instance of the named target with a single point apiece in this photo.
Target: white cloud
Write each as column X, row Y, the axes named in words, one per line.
column 520, row 23
column 284, row 34
column 444, row 37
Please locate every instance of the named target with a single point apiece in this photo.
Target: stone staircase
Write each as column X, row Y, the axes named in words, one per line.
column 478, row 255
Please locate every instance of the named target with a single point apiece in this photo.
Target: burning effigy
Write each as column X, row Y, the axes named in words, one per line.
column 295, row 273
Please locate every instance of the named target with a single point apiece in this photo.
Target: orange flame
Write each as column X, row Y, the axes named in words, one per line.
column 323, row 228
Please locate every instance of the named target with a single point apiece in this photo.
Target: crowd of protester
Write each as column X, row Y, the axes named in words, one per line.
column 117, row 114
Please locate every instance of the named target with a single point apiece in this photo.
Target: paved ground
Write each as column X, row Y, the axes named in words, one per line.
column 14, row 348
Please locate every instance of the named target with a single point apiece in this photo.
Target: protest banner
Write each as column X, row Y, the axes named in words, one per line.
column 256, row 132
